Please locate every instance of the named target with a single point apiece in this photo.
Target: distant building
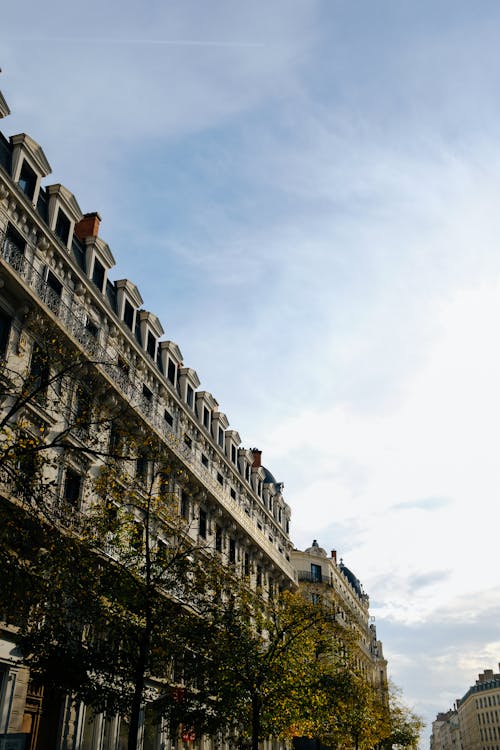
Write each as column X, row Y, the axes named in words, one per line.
column 479, row 713
column 323, row 577
column 446, row 732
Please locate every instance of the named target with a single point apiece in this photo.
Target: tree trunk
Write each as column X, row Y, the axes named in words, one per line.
column 135, row 709
column 256, row 709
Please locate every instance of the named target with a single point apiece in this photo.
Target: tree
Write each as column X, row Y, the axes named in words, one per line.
column 99, row 567
column 260, row 661
column 404, row 724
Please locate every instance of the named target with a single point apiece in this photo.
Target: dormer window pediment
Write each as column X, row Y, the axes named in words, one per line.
column 98, row 260
column 128, row 301
column 63, row 213
column 188, row 383
column 151, row 330
column 205, row 405
column 171, row 360
column 29, row 165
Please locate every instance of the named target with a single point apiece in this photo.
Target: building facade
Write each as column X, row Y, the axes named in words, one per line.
column 479, row 713
column 446, row 732
column 54, row 266
column 321, row 577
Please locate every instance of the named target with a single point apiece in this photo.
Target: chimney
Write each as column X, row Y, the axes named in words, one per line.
column 334, row 555
column 256, row 458
column 88, row 226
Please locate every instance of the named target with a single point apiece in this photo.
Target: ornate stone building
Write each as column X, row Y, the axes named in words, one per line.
column 55, row 265
column 320, row 576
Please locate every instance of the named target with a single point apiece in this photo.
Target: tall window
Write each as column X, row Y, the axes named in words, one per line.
column 27, row 180
column 184, row 505
column 98, row 274
column 72, row 487
column 14, row 240
column 202, row 527
column 62, row 227
column 128, row 314
column 39, row 373
column 82, row 408
column 54, row 283
column 218, row 538
column 189, row 396
column 316, row 573
column 232, row 550
column 171, row 371
column 5, row 325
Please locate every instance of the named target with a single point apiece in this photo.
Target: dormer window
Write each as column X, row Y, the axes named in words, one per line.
column 151, row 345
column 233, row 454
column 29, row 165
column 27, row 180
column 62, row 227
column 128, row 315
column 189, row 396
column 171, row 371
column 206, row 418
column 98, row 273
column 220, row 437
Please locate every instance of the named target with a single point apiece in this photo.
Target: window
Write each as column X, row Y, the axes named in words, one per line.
column 220, row 479
column 128, row 314
column 233, row 493
column 54, row 283
column 5, row 324
column 27, row 180
column 316, row 573
column 184, row 505
column 232, row 550
column 39, row 374
column 218, row 538
column 124, row 366
column 204, row 460
column 258, row 580
column 171, row 371
column 233, row 454
column 147, row 393
column 91, row 328
column 14, row 240
column 141, row 468
column 98, row 274
column 202, row 524
column 189, row 396
column 168, row 418
column 72, row 487
column 188, row 441
column 62, row 227
column 246, row 564
column 206, row 418
column 271, row 588
column 82, row 408
column 151, row 346
column 220, row 437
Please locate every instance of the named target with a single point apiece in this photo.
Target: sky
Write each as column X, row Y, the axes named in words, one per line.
column 305, row 193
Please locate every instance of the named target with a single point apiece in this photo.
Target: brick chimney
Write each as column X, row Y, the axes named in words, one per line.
column 88, row 226
column 256, row 458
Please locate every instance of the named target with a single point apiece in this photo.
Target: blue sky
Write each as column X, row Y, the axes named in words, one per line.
column 306, row 194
